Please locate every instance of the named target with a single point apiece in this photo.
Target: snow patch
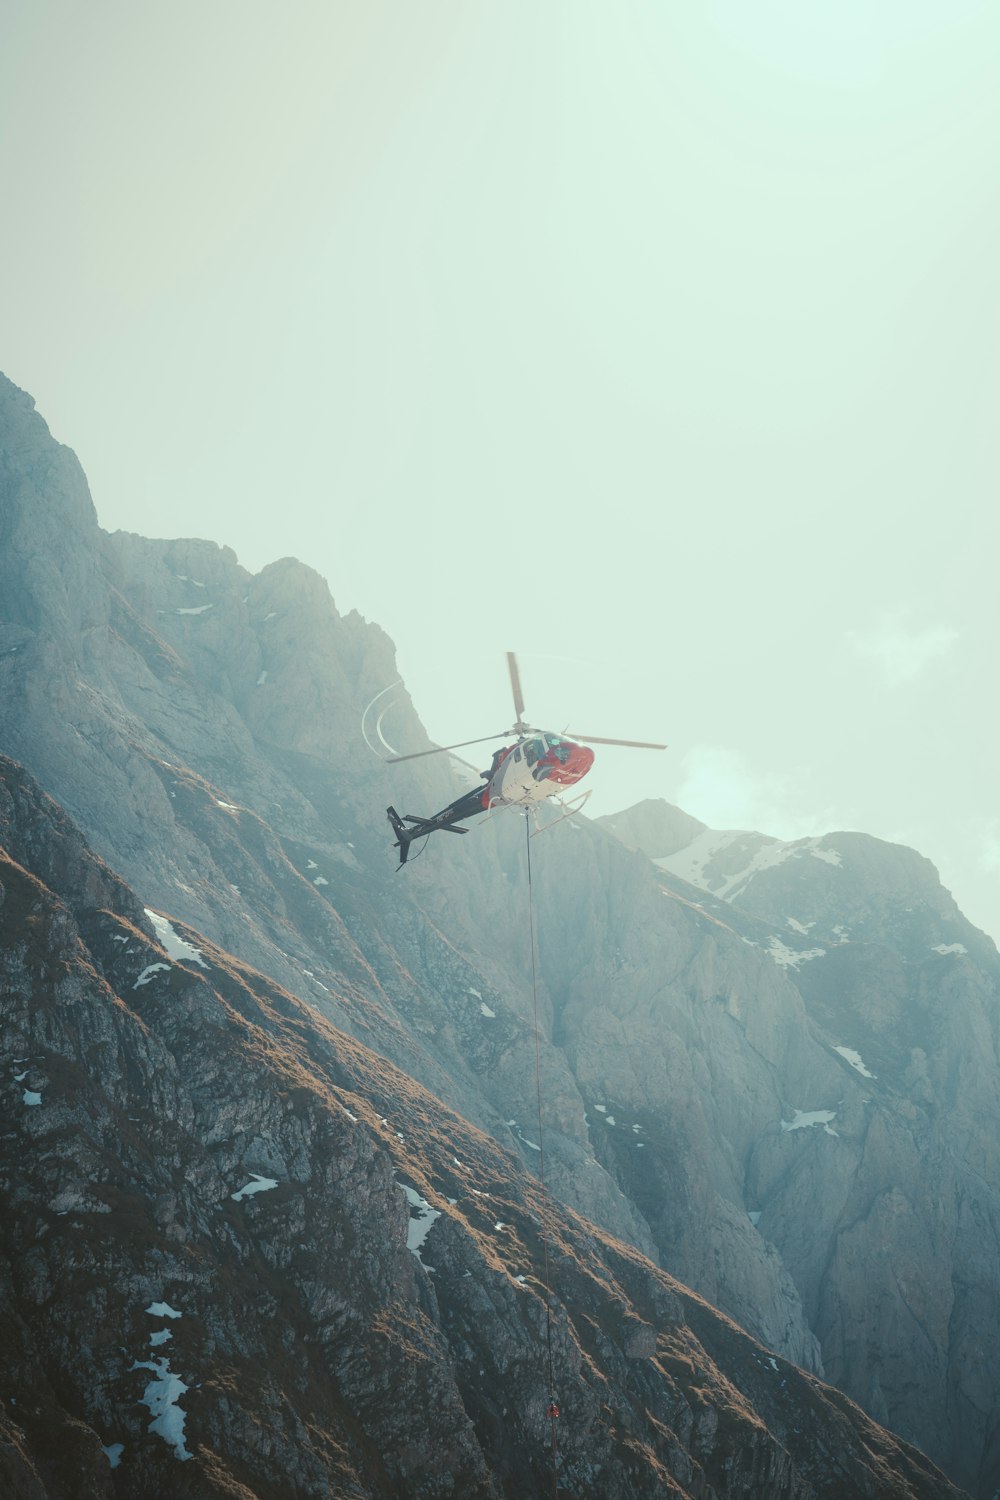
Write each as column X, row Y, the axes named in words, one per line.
column 172, row 945
column 147, row 974
column 854, row 1058
column 490, row 1015
column 950, row 948
column 321, row 880
column 258, row 1185
column 161, row 1396
column 199, row 609
column 754, row 1216
column 803, row 1119
column 522, row 1137
column 230, row 807
column 475, row 992
column 113, row 1453
column 262, row 678
column 162, row 1310
column 695, row 862
column 31, row 1098
column 692, row 863
column 802, row 927
column 790, row 958
column 421, row 1222
column 156, row 1339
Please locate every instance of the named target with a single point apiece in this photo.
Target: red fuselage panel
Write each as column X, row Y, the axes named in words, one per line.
column 537, row 768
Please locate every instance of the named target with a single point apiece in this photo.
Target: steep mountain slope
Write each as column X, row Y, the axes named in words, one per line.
column 882, row 1193
column 209, row 1198
column 203, row 727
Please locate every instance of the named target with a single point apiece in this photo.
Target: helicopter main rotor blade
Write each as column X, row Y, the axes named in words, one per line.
column 598, row 739
column 440, row 749
column 515, row 686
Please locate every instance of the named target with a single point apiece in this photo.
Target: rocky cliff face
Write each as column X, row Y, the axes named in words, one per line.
column 204, row 728
column 244, row 1255
column 880, row 1191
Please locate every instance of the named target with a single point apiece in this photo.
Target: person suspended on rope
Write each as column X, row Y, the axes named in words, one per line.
column 553, row 1411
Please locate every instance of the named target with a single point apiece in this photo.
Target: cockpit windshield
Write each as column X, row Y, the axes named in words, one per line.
column 548, row 750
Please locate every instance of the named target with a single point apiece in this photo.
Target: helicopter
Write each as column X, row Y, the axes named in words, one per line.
column 537, row 765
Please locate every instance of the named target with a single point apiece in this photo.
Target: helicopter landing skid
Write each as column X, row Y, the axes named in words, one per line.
column 573, row 806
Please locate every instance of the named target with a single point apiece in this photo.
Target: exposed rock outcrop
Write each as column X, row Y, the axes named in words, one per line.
column 881, row 1191
column 242, row 1254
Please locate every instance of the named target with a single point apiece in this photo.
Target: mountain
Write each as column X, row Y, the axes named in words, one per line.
column 213, row 1196
column 766, row 1071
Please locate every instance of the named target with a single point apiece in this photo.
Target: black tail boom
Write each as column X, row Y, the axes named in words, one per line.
column 419, row 828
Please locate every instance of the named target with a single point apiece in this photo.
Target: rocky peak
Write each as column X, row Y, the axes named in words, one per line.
column 49, row 576
column 654, row 827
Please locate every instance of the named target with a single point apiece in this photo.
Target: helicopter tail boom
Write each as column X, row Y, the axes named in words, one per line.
column 419, row 828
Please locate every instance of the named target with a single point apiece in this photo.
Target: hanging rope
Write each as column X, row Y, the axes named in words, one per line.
column 552, row 1411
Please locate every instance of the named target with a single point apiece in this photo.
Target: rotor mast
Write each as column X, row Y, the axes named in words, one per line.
column 520, row 727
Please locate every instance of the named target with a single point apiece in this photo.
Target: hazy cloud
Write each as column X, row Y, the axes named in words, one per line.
column 720, row 787
column 902, row 652
column 989, row 853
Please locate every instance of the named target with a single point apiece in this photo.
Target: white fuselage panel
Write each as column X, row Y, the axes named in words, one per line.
column 515, row 784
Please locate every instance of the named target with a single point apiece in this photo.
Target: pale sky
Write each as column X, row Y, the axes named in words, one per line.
column 662, row 337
